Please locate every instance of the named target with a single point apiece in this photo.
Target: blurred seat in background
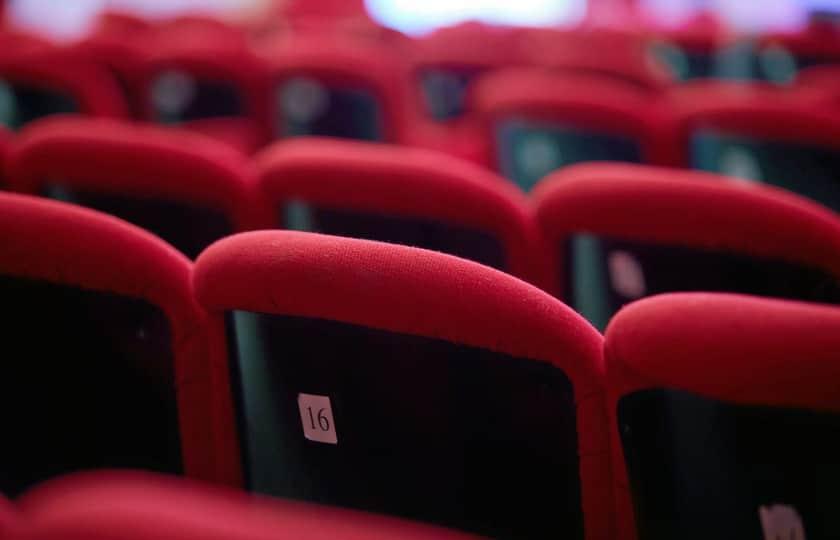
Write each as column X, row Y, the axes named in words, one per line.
column 691, row 51
column 337, row 86
column 119, row 42
column 725, row 417
column 395, row 194
column 605, row 52
column 205, row 79
column 403, row 381
column 188, row 189
column 537, row 122
column 782, row 137
column 46, row 80
column 617, row 233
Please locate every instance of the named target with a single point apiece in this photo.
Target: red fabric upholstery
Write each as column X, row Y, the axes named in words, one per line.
column 468, row 45
column 612, row 53
column 593, row 102
column 341, row 60
column 8, row 517
column 418, row 292
column 732, row 348
column 753, row 111
column 400, row 181
column 817, row 42
column 66, row 244
column 684, row 208
column 141, row 161
column 134, row 506
column 95, row 91
column 217, row 56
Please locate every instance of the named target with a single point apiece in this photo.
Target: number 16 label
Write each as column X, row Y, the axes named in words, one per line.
column 317, row 418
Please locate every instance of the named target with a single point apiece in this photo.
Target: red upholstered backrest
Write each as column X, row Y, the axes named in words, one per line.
column 62, row 69
column 342, row 60
column 134, row 506
column 118, row 158
column 588, row 101
column 402, row 182
column 65, row 244
column 421, row 293
column 751, row 110
column 684, row 208
column 731, row 348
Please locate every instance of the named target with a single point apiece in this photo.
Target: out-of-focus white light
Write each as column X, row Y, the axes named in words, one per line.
column 419, row 16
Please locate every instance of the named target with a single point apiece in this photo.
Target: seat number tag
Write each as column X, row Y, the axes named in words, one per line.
column 316, row 416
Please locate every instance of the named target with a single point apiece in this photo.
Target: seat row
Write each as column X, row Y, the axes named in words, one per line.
column 407, row 382
column 595, row 235
column 520, row 122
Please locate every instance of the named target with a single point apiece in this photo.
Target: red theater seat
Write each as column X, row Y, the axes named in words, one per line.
column 785, row 138
column 106, row 350
column 616, row 233
column 133, row 506
column 401, row 195
column 537, row 122
column 446, row 63
column 781, row 56
column 692, row 50
column 615, row 54
column 408, row 382
column 184, row 187
column 725, row 417
column 205, row 83
column 337, row 86
column 50, row 80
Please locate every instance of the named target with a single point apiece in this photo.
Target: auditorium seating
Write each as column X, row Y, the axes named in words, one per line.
column 397, row 380
column 187, row 189
column 105, row 349
column 206, row 80
column 124, row 505
column 783, row 138
column 616, row 233
column 537, row 122
column 334, row 85
column 47, row 80
column 401, row 195
column 726, row 417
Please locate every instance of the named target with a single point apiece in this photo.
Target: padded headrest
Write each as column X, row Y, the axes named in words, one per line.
column 63, row 243
column 129, row 159
column 734, row 348
column 399, row 180
column 470, row 45
column 618, row 54
column 591, row 101
column 398, row 289
column 62, row 70
column 137, row 506
column 687, row 208
column 755, row 110
column 817, row 41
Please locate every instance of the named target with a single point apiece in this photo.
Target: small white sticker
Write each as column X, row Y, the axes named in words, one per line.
column 781, row 521
column 316, row 416
column 626, row 274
